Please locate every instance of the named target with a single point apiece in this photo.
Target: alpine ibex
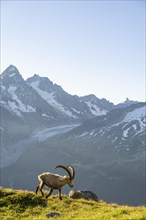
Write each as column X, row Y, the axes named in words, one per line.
column 56, row 181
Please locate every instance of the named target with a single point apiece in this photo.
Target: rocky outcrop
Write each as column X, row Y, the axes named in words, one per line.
column 78, row 194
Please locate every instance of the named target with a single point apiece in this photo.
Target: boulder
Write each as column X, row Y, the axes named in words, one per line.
column 78, row 194
column 52, row 214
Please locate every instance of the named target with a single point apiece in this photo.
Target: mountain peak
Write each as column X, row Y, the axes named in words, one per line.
column 11, row 69
column 42, row 82
column 128, row 101
column 36, row 76
column 11, row 75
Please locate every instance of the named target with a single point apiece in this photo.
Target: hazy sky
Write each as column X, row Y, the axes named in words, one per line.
column 86, row 47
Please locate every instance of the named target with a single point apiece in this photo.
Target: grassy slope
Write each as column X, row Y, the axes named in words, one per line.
column 18, row 204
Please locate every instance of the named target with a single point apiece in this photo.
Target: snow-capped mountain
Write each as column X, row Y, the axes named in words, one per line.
column 35, row 105
column 23, row 101
column 98, row 106
column 130, row 121
column 48, row 101
column 42, row 125
column 38, row 95
column 71, row 106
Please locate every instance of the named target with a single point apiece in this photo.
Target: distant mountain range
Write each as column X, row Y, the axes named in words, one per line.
column 42, row 126
column 38, row 96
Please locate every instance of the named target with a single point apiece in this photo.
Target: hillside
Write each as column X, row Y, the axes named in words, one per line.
column 18, row 204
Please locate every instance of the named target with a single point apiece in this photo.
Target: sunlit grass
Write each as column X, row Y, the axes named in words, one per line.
column 18, row 204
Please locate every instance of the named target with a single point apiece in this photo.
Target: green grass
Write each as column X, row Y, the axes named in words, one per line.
column 19, row 204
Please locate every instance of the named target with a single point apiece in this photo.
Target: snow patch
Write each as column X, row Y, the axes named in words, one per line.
column 17, row 106
column 14, row 108
column 49, row 98
column 12, row 74
column 83, row 134
column 137, row 114
column 78, row 112
column 95, row 110
column 125, row 133
column 44, row 115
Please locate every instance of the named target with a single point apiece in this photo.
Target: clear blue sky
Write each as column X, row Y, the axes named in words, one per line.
column 87, row 47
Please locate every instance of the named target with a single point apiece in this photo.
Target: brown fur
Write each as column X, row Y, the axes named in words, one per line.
column 53, row 181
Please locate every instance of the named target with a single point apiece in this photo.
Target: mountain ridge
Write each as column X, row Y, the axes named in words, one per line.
column 11, row 69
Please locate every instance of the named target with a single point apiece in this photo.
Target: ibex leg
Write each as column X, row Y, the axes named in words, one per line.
column 51, row 190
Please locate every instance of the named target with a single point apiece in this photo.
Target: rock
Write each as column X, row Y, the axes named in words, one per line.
column 52, row 214
column 78, row 194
